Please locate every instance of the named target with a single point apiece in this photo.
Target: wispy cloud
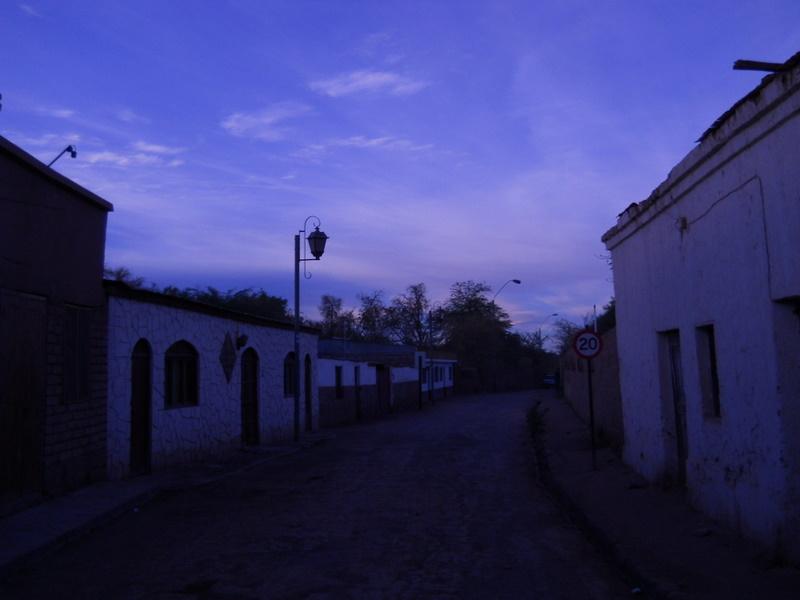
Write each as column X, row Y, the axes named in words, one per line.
column 45, row 139
column 157, row 148
column 57, row 112
column 131, row 159
column 126, row 115
column 366, row 81
column 30, row 11
column 122, row 160
column 363, row 143
column 266, row 124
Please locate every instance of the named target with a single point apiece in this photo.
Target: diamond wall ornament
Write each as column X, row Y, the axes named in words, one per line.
column 227, row 356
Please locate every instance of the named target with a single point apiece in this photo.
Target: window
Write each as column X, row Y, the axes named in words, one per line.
column 357, row 376
column 450, row 377
column 339, row 386
column 707, row 367
column 76, row 354
column 288, row 375
column 180, row 385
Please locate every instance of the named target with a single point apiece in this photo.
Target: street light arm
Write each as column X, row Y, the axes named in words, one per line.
column 517, row 281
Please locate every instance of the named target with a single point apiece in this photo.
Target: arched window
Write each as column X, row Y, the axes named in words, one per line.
column 289, row 366
column 180, row 384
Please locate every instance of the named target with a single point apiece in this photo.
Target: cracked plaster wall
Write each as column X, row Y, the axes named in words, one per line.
column 721, row 250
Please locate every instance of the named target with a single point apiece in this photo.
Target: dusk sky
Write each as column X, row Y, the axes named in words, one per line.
column 436, row 141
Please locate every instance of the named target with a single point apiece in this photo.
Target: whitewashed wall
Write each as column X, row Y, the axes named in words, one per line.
column 720, row 247
column 446, row 381
column 326, row 370
column 188, row 433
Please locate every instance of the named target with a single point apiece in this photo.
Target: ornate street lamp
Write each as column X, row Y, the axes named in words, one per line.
column 316, row 242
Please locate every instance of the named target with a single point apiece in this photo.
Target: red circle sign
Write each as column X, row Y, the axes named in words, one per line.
column 587, row 344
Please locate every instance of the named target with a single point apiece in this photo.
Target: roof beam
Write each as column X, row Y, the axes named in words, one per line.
column 756, row 65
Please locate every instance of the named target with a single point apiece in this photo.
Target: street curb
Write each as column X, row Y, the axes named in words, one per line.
column 594, row 533
column 21, row 562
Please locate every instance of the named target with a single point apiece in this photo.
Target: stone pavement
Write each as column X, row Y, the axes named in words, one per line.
column 669, row 549
column 440, row 503
column 29, row 534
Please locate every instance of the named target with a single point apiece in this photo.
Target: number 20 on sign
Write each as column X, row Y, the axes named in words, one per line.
column 587, row 344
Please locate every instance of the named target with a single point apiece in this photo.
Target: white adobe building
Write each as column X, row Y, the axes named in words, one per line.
column 359, row 380
column 187, row 380
column 707, row 285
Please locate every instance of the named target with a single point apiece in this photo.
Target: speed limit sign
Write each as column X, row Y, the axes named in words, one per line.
column 587, row 344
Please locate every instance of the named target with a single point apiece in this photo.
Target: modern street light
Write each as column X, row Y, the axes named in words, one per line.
column 517, row 281
column 316, row 243
column 73, row 152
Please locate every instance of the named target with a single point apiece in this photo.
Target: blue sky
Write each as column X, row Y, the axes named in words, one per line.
column 436, row 141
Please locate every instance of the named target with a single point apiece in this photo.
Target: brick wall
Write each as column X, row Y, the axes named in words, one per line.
column 74, row 441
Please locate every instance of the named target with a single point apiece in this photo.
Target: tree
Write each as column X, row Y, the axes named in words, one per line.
column 408, row 317
column 330, row 308
column 123, row 275
column 254, row 302
column 564, row 333
column 372, row 317
column 608, row 318
column 476, row 328
column 533, row 341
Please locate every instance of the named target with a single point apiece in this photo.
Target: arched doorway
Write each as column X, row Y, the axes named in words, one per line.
column 308, row 393
column 141, row 407
column 250, row 429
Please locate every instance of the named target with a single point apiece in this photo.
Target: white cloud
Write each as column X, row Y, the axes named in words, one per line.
column 157, row 148
column 367, row 81
column 123, row 160
column 55, row 112
column 30, row 11
column 388, row 142
column 385, row 142
column 176, row 162
column 265, row 124
column 46, row 139
column 128, row 116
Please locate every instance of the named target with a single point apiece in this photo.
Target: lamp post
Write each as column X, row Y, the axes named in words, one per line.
column 539, row 328
column 73, row 152
column 316, row 243
column 517, row 281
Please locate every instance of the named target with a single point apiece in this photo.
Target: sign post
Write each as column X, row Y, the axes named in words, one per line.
column 587, row 345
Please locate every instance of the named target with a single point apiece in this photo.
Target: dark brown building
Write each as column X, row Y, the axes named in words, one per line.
column 52, row 330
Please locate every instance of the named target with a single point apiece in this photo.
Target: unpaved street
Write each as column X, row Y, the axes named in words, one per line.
column 436, row 504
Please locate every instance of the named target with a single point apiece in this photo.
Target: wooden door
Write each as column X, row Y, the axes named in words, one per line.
column 141, row 408
column 384, row 382
column 357, row 382
column 23, row 380
column 678, row 403
column 250, row 427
